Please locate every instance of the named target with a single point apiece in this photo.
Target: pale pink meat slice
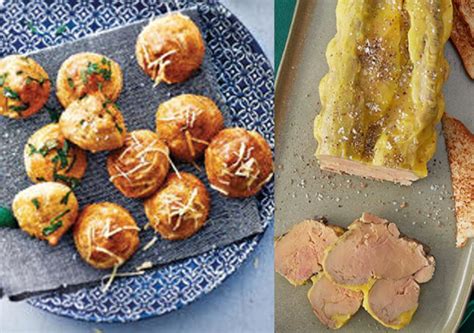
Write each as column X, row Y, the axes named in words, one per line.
column 393, row 302
column 332, row 304
column 373, row 248
column 341, row 165
column 299, row 253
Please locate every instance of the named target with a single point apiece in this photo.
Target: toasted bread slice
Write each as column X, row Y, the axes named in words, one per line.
column 466, row 9
column 460, row 146
column 461, row 34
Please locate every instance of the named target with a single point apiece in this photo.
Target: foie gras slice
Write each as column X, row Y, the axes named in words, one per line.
column 373, row 248
column 299, row 252
column 393, row 302
column 332, row 304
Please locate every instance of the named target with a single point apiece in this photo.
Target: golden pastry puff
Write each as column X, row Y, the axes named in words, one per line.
column 24, row 85
column 93, row 123
column 46, row 211
column 170, row 48
column 50, row 157
column 140, row 167
column 187, row 123
column 180, row 208
column 88, row 73
column 106, row 235
column 238, row 162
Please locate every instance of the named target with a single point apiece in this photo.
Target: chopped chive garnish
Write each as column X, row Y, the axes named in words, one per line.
column 71, row 181
column 33, row 149
column 52, row 228
column 19, row 72
column 55, row 223
column 120, row 129
column 9, row 93
column 65, row 199
column 82, row 122
column 70, row 82
column 32, row 28
column 71, row 165
column 60, row 216
column 54, row 114
column 61, row 29
column 62, row 155
column 45, row 149
column 92, row 68
column 19, row 108
column 36, row 203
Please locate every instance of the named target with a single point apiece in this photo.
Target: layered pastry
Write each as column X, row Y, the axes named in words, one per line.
column 180, row 208
column 46, row 211
column 187, row 123
column 24, row 87
column 94, row 123
column 49, row 156
column 106, row 235
column 88, row 73
column 238, row 162
column 170, row 49
column 140, row 167
column 382, row 96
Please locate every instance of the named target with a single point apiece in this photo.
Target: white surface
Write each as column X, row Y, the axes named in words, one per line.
column 243, row 303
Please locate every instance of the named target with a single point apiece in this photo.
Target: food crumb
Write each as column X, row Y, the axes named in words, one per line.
column 255, row 263
column 403, row 204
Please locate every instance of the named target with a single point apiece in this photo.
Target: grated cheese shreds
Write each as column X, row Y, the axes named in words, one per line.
column 150, row 243
column 144, row 265
column 111, row 277
column 200, row 141
column 119, row 259
column 246, row 166
column 159, row 66
column 189, row 143
column 175, row 169
column 219, row 189
column 175, row 207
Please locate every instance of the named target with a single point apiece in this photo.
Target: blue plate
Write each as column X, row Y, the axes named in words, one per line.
column 245, row 79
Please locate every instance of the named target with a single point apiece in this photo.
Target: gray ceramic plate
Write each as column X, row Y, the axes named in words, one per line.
column 303, row 191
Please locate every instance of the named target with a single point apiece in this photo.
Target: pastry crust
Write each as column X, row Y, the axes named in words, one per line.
column 238, row 162
column 106, row 235
column 88, row 73
column 49, row 156
column 460, row 145
column 46, row 211
column 187, row 123
column 170, row 48
column 94, row 124
column 180, row 208
column 140, row 167
column 383, row 94
column 25, row 87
